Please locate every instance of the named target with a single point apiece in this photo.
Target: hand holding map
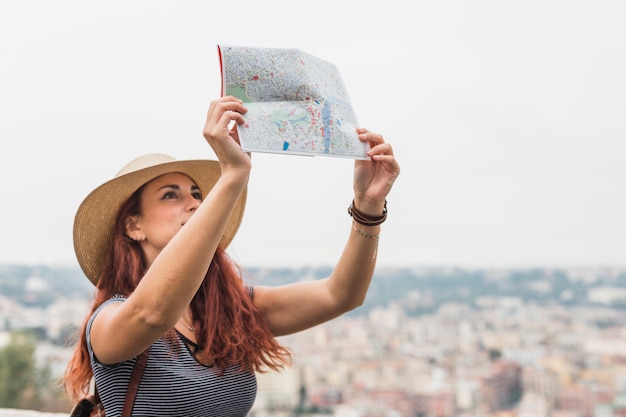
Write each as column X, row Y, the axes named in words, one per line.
column 297, row 103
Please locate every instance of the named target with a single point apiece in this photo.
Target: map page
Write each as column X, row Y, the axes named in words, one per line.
column 297, row 103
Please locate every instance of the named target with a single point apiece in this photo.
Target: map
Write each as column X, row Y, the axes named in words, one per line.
column 297, row 103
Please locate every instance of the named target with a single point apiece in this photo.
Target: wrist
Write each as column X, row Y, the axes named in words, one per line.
column 368, row 206
column 235, row 178
column 368, row 215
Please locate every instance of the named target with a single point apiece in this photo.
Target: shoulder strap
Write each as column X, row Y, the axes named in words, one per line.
column 135, row 380
column 133, row 385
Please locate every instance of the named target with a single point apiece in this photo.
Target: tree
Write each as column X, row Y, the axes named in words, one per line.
column 17, row 369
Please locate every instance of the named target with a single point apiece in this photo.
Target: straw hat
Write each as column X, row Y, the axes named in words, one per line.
column 95, row 217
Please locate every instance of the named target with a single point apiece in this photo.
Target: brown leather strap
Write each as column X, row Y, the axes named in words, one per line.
column 135, row 380
column 366, row 219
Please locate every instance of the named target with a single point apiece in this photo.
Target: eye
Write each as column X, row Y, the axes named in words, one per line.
column 169, row 195
column 197, row 195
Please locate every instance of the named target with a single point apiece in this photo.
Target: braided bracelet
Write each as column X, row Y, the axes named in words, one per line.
column 365, row 219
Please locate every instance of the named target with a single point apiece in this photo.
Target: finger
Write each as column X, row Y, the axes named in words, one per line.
column 380, row 149
column 384, row 158
column 232, row 116
column 230, row 98
column 234, row 133
column 220, row 117
column 227, row 100
column 372, row 138
column 231, row 106
column 229, row 103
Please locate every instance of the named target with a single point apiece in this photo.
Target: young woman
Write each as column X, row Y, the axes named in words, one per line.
column 153, row 241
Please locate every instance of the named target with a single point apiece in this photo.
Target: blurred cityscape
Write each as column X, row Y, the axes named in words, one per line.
column 428, row 342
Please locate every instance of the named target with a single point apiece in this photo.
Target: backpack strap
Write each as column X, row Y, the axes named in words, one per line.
column 135, row 380
column 133, row 385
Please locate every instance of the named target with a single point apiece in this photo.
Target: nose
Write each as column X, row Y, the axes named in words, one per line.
column 192, row 203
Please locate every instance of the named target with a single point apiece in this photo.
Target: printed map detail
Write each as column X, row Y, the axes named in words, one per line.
column 297, row 103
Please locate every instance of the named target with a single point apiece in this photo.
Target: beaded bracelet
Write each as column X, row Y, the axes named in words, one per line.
column 364, row 219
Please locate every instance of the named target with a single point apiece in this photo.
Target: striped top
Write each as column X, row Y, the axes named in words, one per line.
column 173, row 383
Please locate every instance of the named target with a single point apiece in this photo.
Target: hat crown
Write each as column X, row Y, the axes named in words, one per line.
column 144, row 161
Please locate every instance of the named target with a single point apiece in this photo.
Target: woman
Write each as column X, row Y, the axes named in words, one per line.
column 153, row 241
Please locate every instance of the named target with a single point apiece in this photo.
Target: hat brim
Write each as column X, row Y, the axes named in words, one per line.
column 95, row 218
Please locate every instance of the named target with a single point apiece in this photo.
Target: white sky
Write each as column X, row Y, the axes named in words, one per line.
column 508, row 119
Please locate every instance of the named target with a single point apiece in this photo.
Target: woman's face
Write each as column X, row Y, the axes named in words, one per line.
column 166, row 204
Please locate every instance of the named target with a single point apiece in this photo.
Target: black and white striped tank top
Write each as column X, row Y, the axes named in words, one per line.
column 173, row 384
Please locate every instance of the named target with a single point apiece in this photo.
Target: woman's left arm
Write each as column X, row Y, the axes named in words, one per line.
column 298, row 306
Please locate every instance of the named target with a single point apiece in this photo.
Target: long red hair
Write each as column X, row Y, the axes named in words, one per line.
column 229, row 328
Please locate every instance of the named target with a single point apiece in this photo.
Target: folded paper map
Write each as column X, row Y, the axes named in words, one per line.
column 297, row 103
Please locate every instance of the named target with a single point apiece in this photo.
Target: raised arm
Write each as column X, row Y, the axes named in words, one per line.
column 295, row 307
column 177, row 254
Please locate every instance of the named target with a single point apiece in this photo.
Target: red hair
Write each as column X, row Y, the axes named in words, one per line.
column 229, row 328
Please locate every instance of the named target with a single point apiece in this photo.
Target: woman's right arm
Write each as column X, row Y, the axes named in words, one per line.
column 123, row 330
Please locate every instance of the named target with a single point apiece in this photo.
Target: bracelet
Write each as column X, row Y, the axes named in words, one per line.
column 375, row 238
column 364, row 219
column 367, row 235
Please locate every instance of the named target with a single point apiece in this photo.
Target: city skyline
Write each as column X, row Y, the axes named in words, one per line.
column 466, row 343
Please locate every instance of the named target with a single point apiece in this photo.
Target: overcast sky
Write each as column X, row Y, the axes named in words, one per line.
column 508, row 119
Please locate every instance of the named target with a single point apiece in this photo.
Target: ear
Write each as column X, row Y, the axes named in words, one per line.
column 133, row 230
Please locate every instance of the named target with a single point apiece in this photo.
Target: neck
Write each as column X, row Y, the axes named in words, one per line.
column 186, row 320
